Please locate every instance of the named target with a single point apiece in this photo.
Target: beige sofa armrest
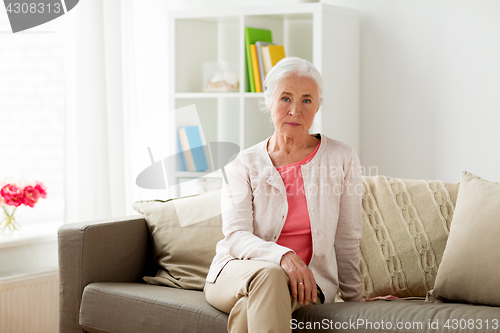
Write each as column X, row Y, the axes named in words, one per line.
column 101, row 251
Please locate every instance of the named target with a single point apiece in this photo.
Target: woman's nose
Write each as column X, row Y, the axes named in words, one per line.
column 295, row 109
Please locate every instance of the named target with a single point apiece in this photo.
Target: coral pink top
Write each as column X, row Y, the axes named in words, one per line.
column 296, row 233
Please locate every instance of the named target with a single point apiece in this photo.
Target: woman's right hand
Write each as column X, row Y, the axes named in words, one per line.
column 302, row 282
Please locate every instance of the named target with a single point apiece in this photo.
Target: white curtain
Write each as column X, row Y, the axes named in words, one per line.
column 94, row 151
column 117, row 86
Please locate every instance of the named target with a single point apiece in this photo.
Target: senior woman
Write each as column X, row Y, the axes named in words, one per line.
column 291, row 212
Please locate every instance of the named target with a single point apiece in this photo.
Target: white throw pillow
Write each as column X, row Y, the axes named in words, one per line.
column 471, row 262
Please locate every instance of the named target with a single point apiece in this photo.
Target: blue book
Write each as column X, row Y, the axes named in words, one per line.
column 192, row 146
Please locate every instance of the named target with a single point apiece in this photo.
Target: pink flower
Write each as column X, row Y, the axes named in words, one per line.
column 31, row 196
column 41, row 189
column 12, row 194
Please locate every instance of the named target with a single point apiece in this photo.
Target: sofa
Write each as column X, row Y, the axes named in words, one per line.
column 115, row 278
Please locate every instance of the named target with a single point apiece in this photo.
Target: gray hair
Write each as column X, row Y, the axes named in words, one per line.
column 284, row 68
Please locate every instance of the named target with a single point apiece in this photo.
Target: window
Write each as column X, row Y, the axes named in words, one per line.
column 32, row 95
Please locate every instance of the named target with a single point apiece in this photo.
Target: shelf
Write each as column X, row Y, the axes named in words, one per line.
column 208, row 95
column 253, row 95
column 202, row 174
column 200, row 95
column 299, row 10
column 189, row 174
column 30, row 233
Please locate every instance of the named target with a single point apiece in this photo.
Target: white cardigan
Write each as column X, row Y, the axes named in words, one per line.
column 254, row 210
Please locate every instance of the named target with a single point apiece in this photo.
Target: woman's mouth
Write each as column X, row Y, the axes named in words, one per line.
column 293, row 124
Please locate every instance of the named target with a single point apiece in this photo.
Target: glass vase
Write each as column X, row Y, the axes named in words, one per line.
column 8, row 220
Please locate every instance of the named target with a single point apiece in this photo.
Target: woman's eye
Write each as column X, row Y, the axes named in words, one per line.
column 307, row 101
column 286, row 99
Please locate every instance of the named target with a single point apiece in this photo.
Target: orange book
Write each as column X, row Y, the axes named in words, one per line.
column 255, row 67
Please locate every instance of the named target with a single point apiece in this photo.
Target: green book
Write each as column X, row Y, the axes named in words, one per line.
column 253, row 35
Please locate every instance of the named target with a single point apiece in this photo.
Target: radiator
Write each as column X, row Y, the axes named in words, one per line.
column 29, row 303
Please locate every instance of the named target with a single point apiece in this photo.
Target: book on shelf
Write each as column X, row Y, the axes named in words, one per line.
column 259, row 45
column 266, row 59
column 181, row 164
column 192, row 148
column 255, row 67
column 253, row 35
column 273, row 54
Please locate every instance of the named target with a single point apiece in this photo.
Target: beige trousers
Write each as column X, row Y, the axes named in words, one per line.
column 256, row 296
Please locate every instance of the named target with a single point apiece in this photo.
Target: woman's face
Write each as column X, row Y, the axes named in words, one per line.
column 294, row 105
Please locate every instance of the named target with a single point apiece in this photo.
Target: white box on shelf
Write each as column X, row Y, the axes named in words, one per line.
column 220, row 77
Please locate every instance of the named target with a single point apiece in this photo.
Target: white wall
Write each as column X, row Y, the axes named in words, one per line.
column 430, row 87
column 430, row 84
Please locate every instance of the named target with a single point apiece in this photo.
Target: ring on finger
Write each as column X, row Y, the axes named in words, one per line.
column 301, row 283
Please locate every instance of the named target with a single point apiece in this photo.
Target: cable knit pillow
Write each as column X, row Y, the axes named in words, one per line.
column 184, row 233
column 471, row 261
column 405, row 227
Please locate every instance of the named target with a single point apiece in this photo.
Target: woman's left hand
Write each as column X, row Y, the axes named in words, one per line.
column 302, row 282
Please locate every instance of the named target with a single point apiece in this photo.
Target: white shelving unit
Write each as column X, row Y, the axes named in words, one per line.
column 326, row 35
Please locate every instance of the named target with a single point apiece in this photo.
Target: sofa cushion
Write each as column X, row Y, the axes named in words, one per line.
column 470, row 267
column 405, row 227
column 396, row 316
column 136, row 307
column 184, row 233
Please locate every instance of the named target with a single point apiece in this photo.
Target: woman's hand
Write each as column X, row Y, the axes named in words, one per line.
column 302, row 282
